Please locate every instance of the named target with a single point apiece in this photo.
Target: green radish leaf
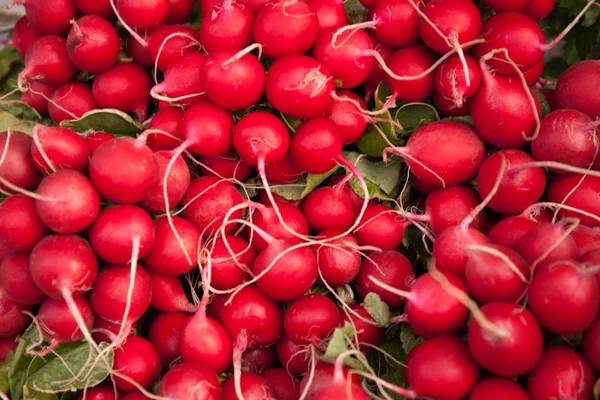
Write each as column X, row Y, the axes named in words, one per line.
column 69, row 396
column 20, row 110
column 409, row 338
column 107, row 120
column 292, row 123
column 387, row 366
column 338, row 344
column 413, row 115
column 377, row 309
column 4, row 368
column 382, row 178
column 466, row 119
column 314, row 181
column 7, row 120
column 17, row 372
column 9, row 61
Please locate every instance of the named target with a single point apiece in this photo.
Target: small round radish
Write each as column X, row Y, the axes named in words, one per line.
column 95, row 139
column 190, row 379
column 17, row 165
column 328, row 208
column 411, row 61
column 124, row 170
column 347, row 116
column 339, row 263
column 253, row 387
column 227, row 27
column 451, row 80
column 138, row 360
column 447, row 107
column 377, row 74
column 259, row 359
column 511, row 230
column 71, row 101
column 338, row 389
column 164, row 335
column 170, row 42
column 16, row 282
column 231, row 260
column 450, row 249
column 514, row 354
column 93, row 44
column 183, row 83
column 139, row 52
column 586, row 239
column 106, row 331
column 47, row 61
column 316, row 146
column 573, row 88
column 56, row 148
column 397, row 22
column 36, row 95
column 330, row 13
column 311, row 319
column 562, row 372
column 299, row 86
column 293, row 357
column 167, row 120
column 381, row 227
column 104, row 392
column 285, row 28
column 447, row 207
column 228, row 166
column 126, row 87
column 102, row 8
column 57, row 322
column 322, row 378
column 23, row 35
column 578, row 192
column 441, row 368
column 535, row 245
column 260, row 137
column 208, row 129
column 591, row 345
column 284, row 385
column 113, row 233
column 511, row 5
column 534, row 74
column 498, row 389
column 12, row 318
column 366, row 333
column 166, row 255
column 539, row 9
column 168, row 294
column 179, row 11
column 55, row 20
column 143, row 14
column 63, row 262
column 267, row 220
column 21, row 227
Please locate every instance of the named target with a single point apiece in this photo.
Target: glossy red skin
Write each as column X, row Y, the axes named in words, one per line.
column 75, row 97
column 584, row 197
column 259, row 359
column 63, row 147
column 330, row 13
column 181, row 383
column 261, row 136
column 441, row 368
column 322, row 379
column 93, row 44
column 101, row 8
column 145, row 14
column 227, row 28
column 12, row 319
column 208, row 129
column 509, row 231
column 411, row 61
column 253, row 387
column 448, row 108
column 512, row 5
column 57, row 322
column 381, row 227
column 449, row 250
column 225, row 271
column 498, row 389
column 450, row 78
column 6, row 345
column 47, row 61
column 397, row 22
column 18, row 167
column 168, row 294
column 21, row 227
column 23, row 35
column 173, row 48
column 106, row 331
column 586, row 239
column 539, row 239
column 348, row 118
column 164, row 335
column 533, row 75
column 283, row 171
column 377, row 74
column 138, row 360
column 294, row 358
column 316, row 146
column 592, row 258
column 36, row 100
column 215, row 349
column 53, row 20
column 573, row 88
column 328, row 208
column 167, row 120
column 447, row 207
column 289, row 73
column 109, row 295
column 16, row 282
column 366, row 333
column 339, row 390
column 562, row 371
column 389, row 267
column 177, row 183
column 104, row 392
column 267, row 220
column 591, row 345
column 514, row 355
column 183, row 77
column 63, row 261
column 338, row 266
column 179, row 11
column 284, row 385
column 140, row 54
column 228, row 166
column 540, row 9
column 311, row 319
column 97, row 139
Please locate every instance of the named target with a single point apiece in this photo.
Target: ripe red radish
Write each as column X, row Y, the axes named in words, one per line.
column 179, row 11
column 348, row 117
column 447, row 107
column 377, row 74
column 23, row 35
column 93, row 44
column 170, row 42
column 57, row 148
column 231, row 260
column 367, row 333
column 142, row 14
column 592, row 258
column 441, row 368
column 259, row 359
column 328, row 208
column 586, row 239
column 293, row 357
column 21, row 227
column 498, row 389
column 330, row 13
column 36, row 95
column 578, row 192
column 228, row 166
column 16, row 282
column 591, row 345
column 164, row 335
column 451, row 79
column 322, row 378
column 299, row 86
column 534, row 74
column 562, row 371
column 47, row 61
column 266, row 219
column 71, row 101
column 284, row 385
column 138, row 360
column 103, row 392
column 102, row 8
column 447, row 207
column 182, row 84
column 167, row 120
column 58, row 325
column 12, row 318
column 509, row 231
column 450, row 251
column 63, row 262
column 168, row 294
column 539, row 9
column 228, row 26
column 546, row 243
column 107, row 331
column 311, row 319
column 408, row 62
column 190, row 378
column 17, row 166
column 138, row 50
column 126, row 87
column 53, row 20
column 95, row 139
column 207, row 129
column 514, row 352
column 341, row 387
column 339, row 262
column 512, row 5
column 381, row 227
column 573, row 88
column 166, row 255
column 124, row 170
column 252, row 386
column 397, row 22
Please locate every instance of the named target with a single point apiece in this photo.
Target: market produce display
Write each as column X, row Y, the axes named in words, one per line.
column 300, row 200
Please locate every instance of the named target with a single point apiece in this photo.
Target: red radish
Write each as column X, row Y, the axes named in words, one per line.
column 16, row 282
column 170, row 42
column 517, row 346
column 459, row 151
column 293, row 357
column 208, row 200
column 540, row 9
column 138, row 360
column 36, row 95
column 382, row 227
column 17, row 165
column 226, row 70
column 389, row 267
column 441, row 368
column 93, row 44
column 167, row 120
column 266, row 219
column 447, row 207
column 397, row 22
column 253, row 386
column 166, row 255
column 139, row 51
column 190, row 380
column 47, row 61
column 511, row 230
column 592, row 258
column 451, row 79
column 103, row 392
column 213, row 309
column 101, row 8
column 96, row 139
column 164, row 335
column 498, row 389
column 328, row 208
column 179, row 11
column 534, row 74
column 183, row 81
column 8, row 344
column 57, row 148
column 124, row 170
column 591, row 345
column 68, row 201
column 126, row 87
column 340, row 388
column 573, row 88
column 178, row 182
column 366, row 333
column 449, row 250
column 322, row 378
column 586, row 239
column 71, row 101
column 283, row 29
column 562, row 372
column 263, row 198
column 4, row 251
column 330, row 13
column 168, row 294
column 284, row 385
column 12, row 319
column 228, row 166
column 377, row 74
column 21, row 227
column 107, row 331
column 311, row 319
column 299, row 86
column 496, row 273
column 58, row 324
column 143, row 14
column 369, row 4
column 63, row 262
column 338, row 259
column 53, row 20
column 547, row 243
column 512, row 5
column 563, row 297
column 207, row 129
column 23, row 35
column 259, row 359
column 228, row 26
column 447, row 107
column 409, row 62
column 348, row 117
column 578, row 192
column 231, row 260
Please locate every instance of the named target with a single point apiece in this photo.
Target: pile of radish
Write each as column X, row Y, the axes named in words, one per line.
column 187, row 263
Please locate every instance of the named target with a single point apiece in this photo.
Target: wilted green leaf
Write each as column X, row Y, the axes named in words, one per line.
column 9, row 58
column 377, row 309
column 107, row 120
column 4, row 367
column 17, row 373
column 409, row 338
column 20, row 110
column 338, row 344
column 7, row 120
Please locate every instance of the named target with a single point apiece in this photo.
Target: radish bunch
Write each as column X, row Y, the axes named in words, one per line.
column 189, row 254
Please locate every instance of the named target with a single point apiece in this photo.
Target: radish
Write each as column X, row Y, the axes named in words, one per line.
column 23, row 35
column 341, row 388
column 8, row 344
column 93, row 44
column 381, row 227
column 546, row 243
column 564, row 297
column 591, row 345
column 592, row 258
column 441, row 368
column 96, row 139
column 377, row 74
column 53, row 20
column 17, row 166
column 447, row 107
column 516, row 346
column 579, row 192
column 259, row 359
column 283, row 29
column 509, row 231
column 540, row 9
column 451, row 79
column 231, row 259
column 21, row 227
column 396, row 22
column 338, row 261
column 252, row 386
column 58, row 325
column 263, row 198
column 267, row 220
column 190, row 380
column 562, row 371
column 170, row 42
column 68, row 201
column 183, row 83
column 206, row 6
column 348, row 117
column 534, row 74
column 177, row 183
column 168, row 294
column 512, row 5
column 57, row 148
column 107, row 331
column 498, row 389
column 311, row 319
column 299, row 86
column 142, row 14
column 450, row 251
column 293, row 357
column 586, row 239
column 36, row 95
column 409, row 62
column 573, row 88
column 324, row 373
column 447, row 207
column 60, row 263
column 179, row 11
column 227, row 27
column 447, row 137
column 12, row 318
column 124, row 170
column 207, row 129
column 126, row 87
column 328, row 208
column 166, row 120
column 284, row 385
column 227, row 70
column 173, row 254
column 164, row 335
column 330, row 13
column 16, row 282
column 71, row 101
column 391, row 268
column 137, row 360
column 368, row 332
column 102, row 8
column 47, row 62
column 227, row 166
column 138, row 50
column 103, row 392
